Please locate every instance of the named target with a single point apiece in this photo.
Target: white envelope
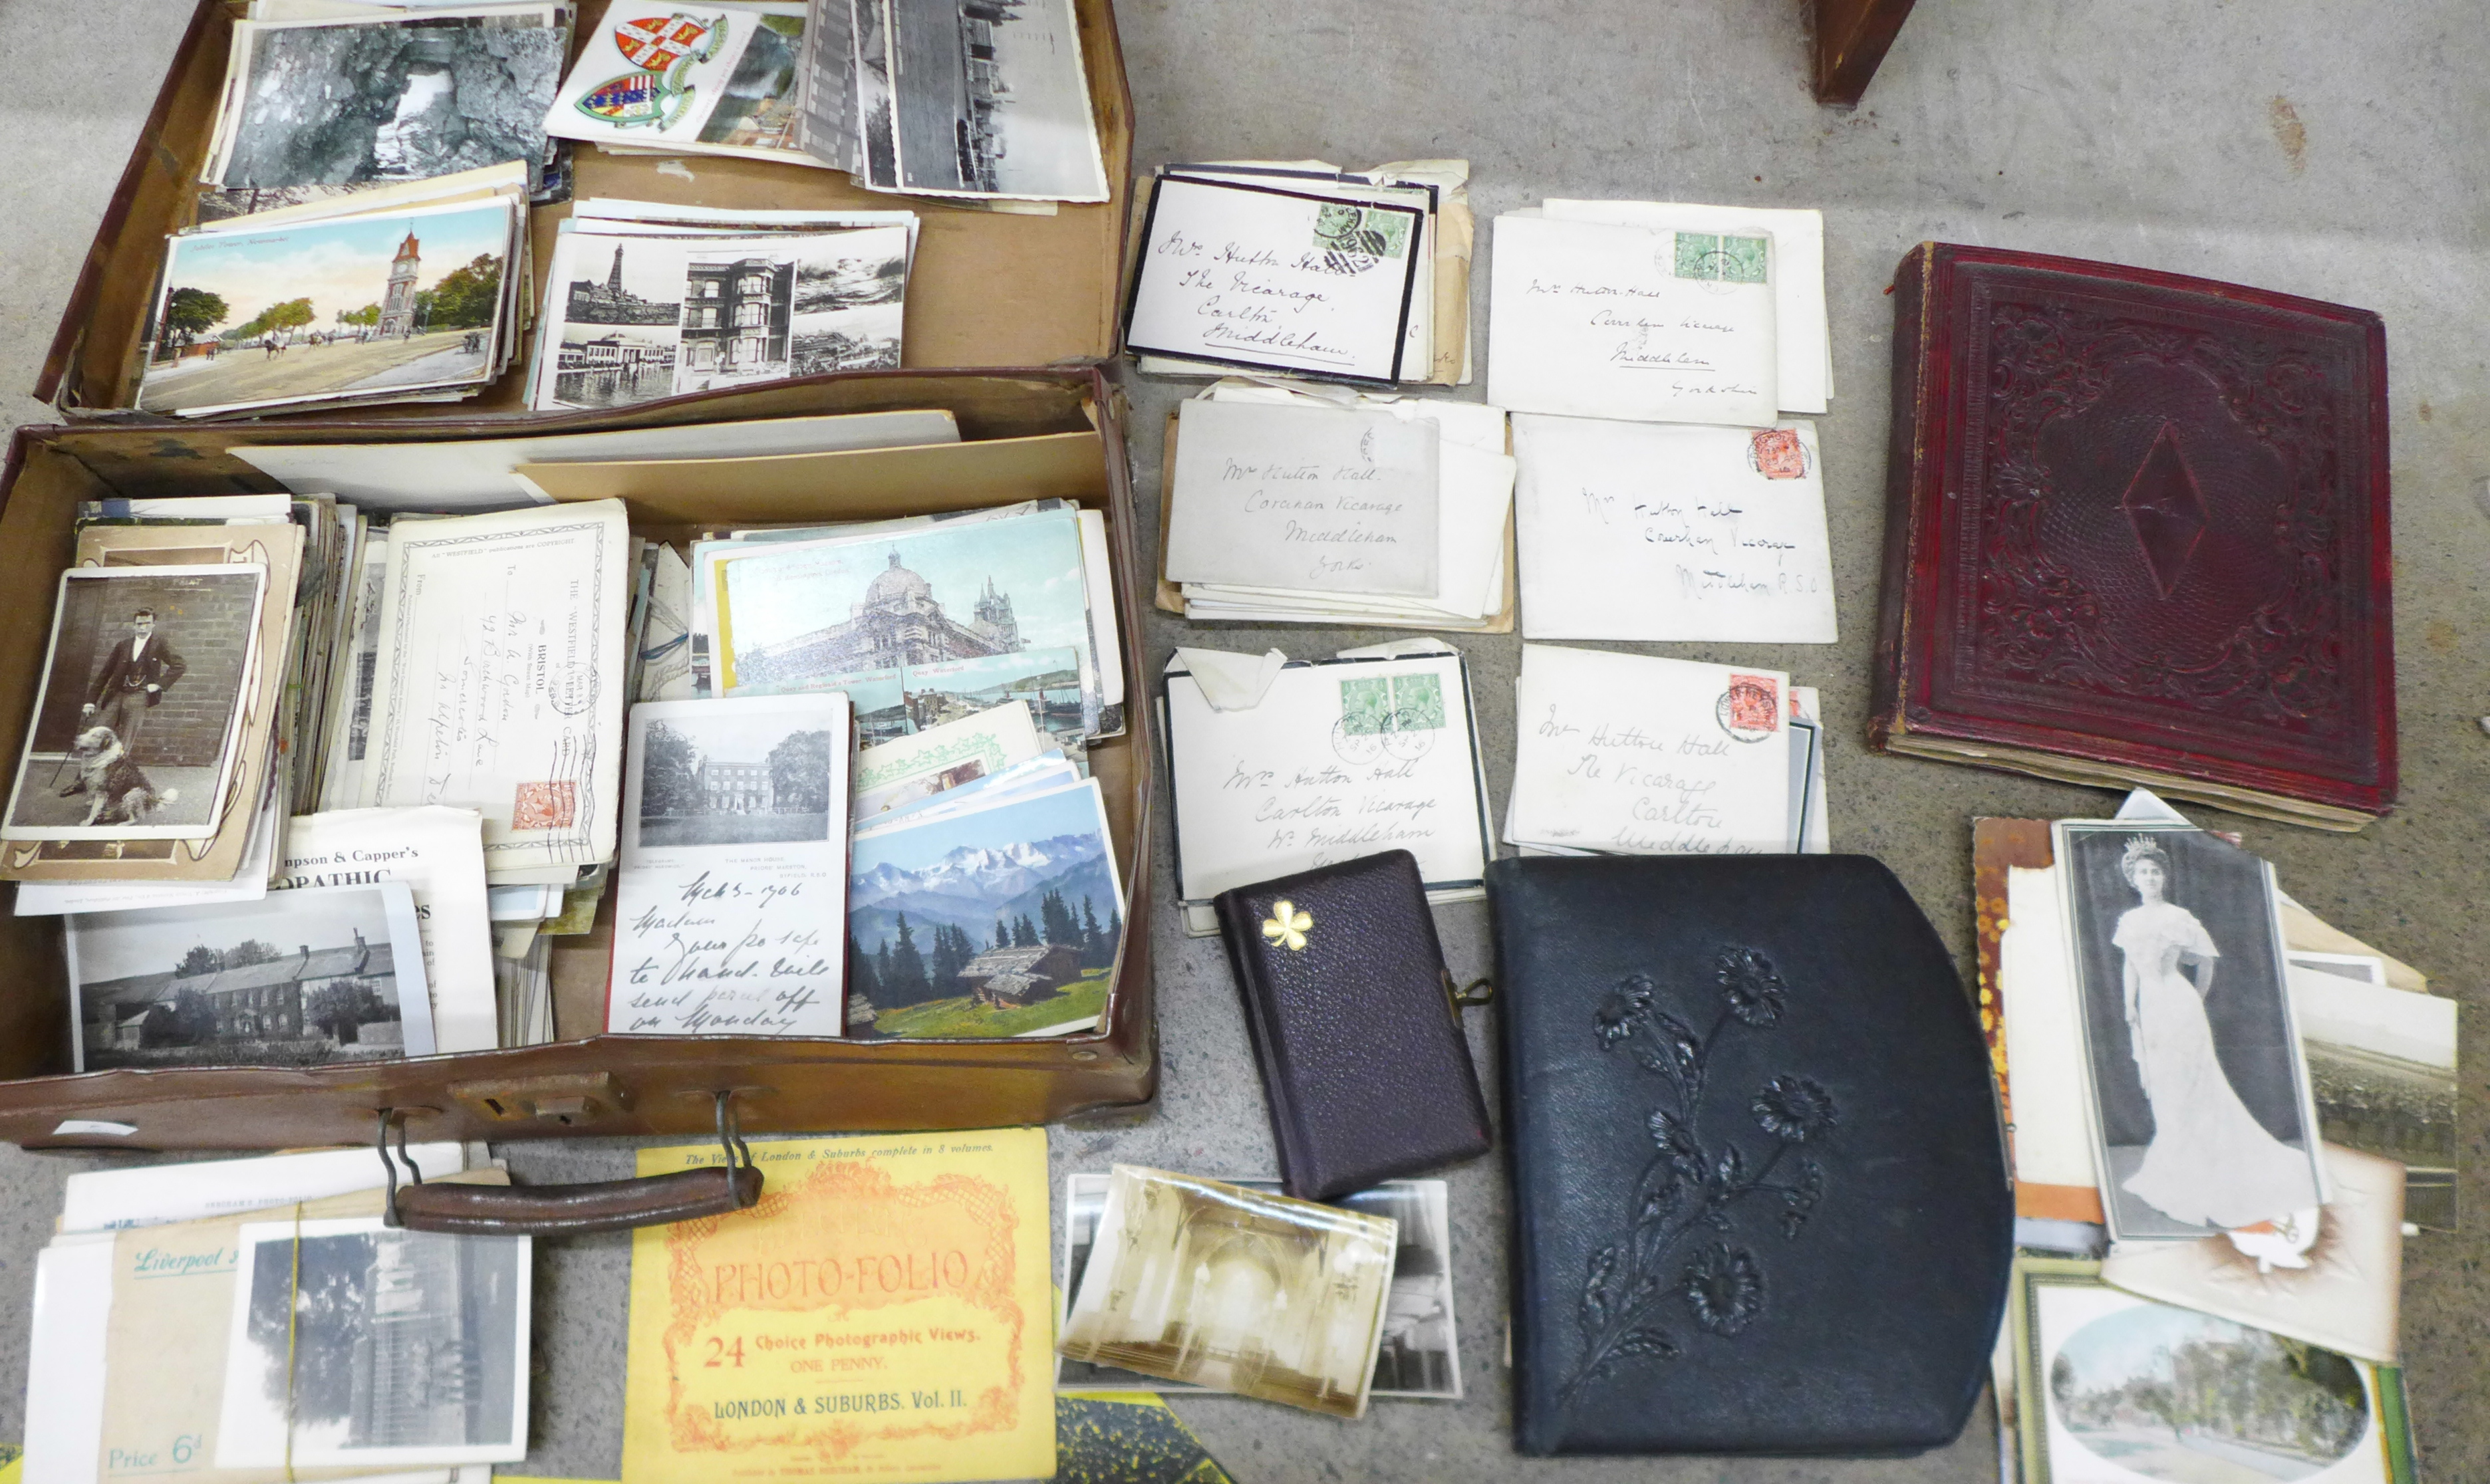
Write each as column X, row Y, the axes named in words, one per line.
column 1587, row 320
column 1305, row 498
column 1674, row 532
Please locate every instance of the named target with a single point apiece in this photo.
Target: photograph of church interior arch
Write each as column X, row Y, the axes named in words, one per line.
column 919, row 626
column 363, row 308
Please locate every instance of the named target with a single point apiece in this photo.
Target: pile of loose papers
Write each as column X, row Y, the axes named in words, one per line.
column 1650, row 352
column 1320, row 505
column 975, row 99
column 243, row 1319
column 1303, row 269
column 402, row 293
column 649, row 300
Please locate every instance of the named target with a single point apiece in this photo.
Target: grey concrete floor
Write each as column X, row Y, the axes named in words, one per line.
column 2329, row 148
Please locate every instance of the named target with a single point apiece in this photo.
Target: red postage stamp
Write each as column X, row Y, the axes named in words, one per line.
column 1778, row 454
column 546, row 805
column 1754, row 703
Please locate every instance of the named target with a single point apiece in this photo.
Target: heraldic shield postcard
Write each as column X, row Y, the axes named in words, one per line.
column 883, row 1312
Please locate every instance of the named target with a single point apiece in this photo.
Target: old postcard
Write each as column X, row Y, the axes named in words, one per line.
column 1673, row 532
column 989, row 98
column 2382, row 1068
column 439, row 853
column 997, row 921
column 499, row 684
column 881, row 1314
column 1250, row 275
column 1338, row 760
column 1590, row 319
column 2197, row 1094
column 699, row 80
column 1318, row 499
column 128, row 742
column 1418, row 1354
column 731, row 895
column 895, row 773
column 1235, row 1290
column 1635, row 755
column 297, row 979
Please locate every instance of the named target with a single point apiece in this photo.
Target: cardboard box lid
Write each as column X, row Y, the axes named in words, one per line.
column 988, row 288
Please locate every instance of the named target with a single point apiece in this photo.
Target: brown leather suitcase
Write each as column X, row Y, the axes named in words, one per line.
column 988, row 290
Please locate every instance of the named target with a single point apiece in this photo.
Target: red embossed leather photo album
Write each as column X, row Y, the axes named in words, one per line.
column 2136, row 534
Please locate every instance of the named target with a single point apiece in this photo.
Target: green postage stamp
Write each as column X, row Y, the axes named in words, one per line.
column 1721, row 259
column 1373, row 705
column 1340, row 227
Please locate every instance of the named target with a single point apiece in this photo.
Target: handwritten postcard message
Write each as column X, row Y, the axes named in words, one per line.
column 1672, row 532
column 1311, row 499
column 1633, row 755
column 1248, row 275
column 730, row 910
column 1590, row 319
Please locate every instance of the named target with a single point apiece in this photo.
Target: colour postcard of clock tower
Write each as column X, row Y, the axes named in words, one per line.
column 883, row 1313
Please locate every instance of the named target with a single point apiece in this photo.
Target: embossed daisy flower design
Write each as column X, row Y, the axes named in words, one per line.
column 1795, row 1108
column 1749, row 982
column 1626, row 1004
column 1725, row 1289
column 1286, row 926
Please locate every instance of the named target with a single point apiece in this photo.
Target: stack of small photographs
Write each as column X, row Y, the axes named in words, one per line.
column 247, row 1318
column 1305, row 270
column 975, row 660
column 982, row 99
column 650, row 301
column 1320, row 505
column 290, row 770
column 409, row 292
column 2161, row 1012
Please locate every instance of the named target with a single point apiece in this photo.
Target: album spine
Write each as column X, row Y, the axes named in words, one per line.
column 1909, row 446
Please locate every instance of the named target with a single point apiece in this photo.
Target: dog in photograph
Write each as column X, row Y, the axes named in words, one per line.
column 116, row 791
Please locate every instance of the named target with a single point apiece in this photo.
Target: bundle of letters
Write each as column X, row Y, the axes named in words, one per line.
column 1315, row 504
column 649, row 300
column 2252, row 1158
column 289, row 769
column 859, row 800
column 1305, row 270
column 416, row 292
column 251, row 1320
column 979, row 100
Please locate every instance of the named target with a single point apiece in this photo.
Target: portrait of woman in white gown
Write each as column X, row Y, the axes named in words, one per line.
column 2209, row 1161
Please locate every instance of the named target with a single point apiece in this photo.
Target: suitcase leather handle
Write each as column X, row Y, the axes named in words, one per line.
column 571, row 1211
column 564, row 1211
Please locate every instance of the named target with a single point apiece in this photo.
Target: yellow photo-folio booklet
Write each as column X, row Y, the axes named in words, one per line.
column 883, row 1313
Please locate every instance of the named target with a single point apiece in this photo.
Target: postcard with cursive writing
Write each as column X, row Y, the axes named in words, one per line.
column 731, row 907
column 1633, row 755
column 1248, row 275
column 1309, row 498
column 500, row 680
column 1340, row 758
column 1592, row 320
column 1675, row 532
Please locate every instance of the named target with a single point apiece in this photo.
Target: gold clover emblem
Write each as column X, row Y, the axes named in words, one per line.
column 1287, row 927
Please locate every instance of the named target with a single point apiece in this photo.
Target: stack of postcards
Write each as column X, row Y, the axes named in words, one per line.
column 952, row 874
column 259, row 1319
column 650, row 301
column 288, row 770
column 980, row 100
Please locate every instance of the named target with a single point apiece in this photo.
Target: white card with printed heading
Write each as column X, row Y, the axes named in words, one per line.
column 1247, row 275
column 1589, row 320
column 1672, row 532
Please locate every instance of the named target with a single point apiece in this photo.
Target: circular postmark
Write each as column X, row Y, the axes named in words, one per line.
column 1778, row 453
column 570, row 688
column 1750, row 710
column 1405, row 739
column 1356, row 748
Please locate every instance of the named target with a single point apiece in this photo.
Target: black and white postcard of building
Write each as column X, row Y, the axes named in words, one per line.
column 767, row 770
column 140, row 717
column 373, row 1345
column 615, row 332
column 991, row 99
column 1418, row 1354
column 301, row 978
column 2200, row 1097
column 800, row 306
column 348, row 102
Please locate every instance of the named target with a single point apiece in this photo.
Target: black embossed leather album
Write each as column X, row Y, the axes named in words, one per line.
column 1360, row 1045
column 1760, row 1193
